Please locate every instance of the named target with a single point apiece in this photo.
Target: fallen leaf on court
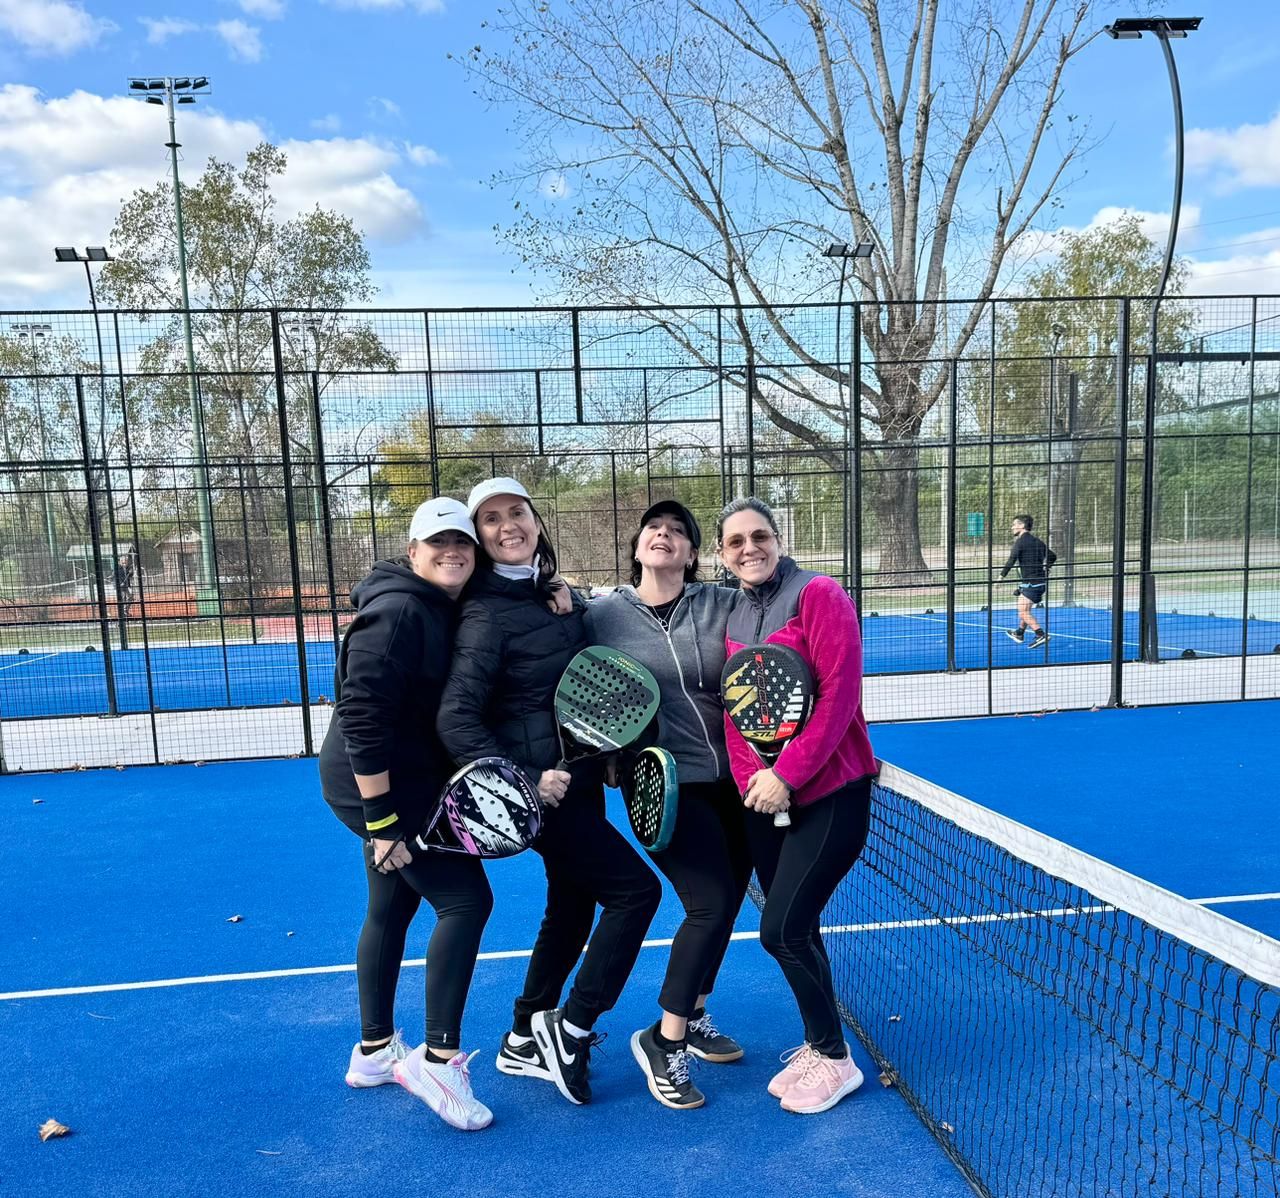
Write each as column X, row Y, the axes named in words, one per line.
column 267, row 1152
column 948, row 1128
column 887, row 1079
column 288, row 933
column 51, row 1128
column 236, row 919
column 37, row 801
column 95, row 1015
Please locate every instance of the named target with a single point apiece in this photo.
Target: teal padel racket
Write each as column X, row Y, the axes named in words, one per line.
column 650, row 793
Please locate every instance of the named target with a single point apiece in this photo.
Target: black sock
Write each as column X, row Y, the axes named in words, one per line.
column 698, row 1014
column 368, row 1050
column 663, row 1043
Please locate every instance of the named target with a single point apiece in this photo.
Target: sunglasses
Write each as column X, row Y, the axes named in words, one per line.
column 761, row 536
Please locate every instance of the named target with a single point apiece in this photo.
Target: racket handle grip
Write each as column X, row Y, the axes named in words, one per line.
column 782, row 820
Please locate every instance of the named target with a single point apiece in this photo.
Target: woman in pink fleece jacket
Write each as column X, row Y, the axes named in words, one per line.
column 823, row 777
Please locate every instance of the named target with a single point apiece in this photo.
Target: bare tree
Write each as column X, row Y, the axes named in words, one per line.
column 703, row 150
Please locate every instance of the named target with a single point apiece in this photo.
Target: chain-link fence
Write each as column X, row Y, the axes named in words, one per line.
column 176, row 549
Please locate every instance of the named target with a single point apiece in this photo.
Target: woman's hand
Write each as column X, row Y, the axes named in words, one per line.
column 767, row 793
column 552, row 786
column 389, row 855
column 561, row 601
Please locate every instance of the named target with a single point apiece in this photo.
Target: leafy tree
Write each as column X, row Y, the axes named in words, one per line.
column 705, row 150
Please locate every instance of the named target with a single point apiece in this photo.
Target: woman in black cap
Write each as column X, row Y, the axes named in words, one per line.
column 675, row 625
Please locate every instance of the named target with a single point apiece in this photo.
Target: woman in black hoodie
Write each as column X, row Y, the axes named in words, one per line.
column 508, row 656
column 381, row 770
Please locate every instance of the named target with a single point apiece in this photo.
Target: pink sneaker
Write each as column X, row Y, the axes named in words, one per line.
column 378, row 1068
column 796, row 1061
column 825, row 1081
column 445, row 1086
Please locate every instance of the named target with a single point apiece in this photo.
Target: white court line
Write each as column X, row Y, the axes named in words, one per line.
column 516, row 953
column 28, row 661
column 1070, row 636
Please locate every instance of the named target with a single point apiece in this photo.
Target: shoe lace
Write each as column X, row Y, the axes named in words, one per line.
column 796, row 1054
column 396, row 1046
column 705, row 1026
column 678, row 1066
column 815, row 1068
column 593, row 1040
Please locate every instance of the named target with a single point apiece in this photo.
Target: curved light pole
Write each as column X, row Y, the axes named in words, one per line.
column 168, row 90
column 1164, row 28
column 843, row 251
column 36, row 333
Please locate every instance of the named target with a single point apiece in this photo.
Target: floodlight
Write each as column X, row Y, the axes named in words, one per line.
column 182, row 83
column 840, row 249
column 97, row 253
column 186, row 99
column 200, row 81
column 154, row 100
column 1127, row 28
column 66, row 253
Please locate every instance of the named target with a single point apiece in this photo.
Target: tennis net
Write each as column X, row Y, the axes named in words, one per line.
column 1062, row 1027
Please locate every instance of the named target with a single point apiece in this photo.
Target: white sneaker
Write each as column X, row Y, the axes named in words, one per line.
column 445, row 1086
column 377, row 1068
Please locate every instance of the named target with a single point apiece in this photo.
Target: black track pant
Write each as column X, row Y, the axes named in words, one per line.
column 709, row 865
column 588, row 863
column 457, row 889
column 799, row 869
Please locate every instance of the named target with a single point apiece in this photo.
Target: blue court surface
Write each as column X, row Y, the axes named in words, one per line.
column 127, row 1013
column 42, row 683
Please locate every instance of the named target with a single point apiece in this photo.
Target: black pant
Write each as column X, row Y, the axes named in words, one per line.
column 456, row 887
column 588, row 862
column 709, row 865
column 799, row 869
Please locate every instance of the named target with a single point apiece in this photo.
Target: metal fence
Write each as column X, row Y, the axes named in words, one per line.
column 176, row 550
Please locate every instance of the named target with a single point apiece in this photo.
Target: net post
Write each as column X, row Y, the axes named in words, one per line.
column 953, row 403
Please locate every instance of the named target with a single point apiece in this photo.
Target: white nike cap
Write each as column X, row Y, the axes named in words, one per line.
column 440, row 515
column 491, row 487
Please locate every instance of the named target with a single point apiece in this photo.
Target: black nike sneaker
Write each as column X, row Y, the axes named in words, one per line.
column 667, row 1072
column 565, row 1055
column 523, row 1061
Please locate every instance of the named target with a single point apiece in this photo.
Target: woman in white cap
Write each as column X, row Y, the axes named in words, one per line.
column 508, row 656
column 381, row 770
column 676, row 626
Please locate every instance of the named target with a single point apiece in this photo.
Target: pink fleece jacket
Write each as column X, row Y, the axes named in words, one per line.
column 812, row 614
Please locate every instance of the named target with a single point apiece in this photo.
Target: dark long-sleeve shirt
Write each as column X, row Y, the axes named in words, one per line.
column 1032, row 557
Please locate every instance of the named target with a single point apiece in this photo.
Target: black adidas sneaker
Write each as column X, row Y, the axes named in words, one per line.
column 667, row 1072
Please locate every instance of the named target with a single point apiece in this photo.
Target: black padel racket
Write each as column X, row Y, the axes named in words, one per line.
column 650, row 792
column 604, row 701
column 487, row 809
column 768, row 692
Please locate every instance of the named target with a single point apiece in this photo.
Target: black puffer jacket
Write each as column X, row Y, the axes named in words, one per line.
column 389, row 677
column 508, row 655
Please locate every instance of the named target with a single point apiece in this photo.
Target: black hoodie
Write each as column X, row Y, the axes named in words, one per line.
column 389, row 677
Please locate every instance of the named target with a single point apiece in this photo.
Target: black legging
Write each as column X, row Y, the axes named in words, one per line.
column 457, row 889
column 799, row 869
column 709, row 865
column 588, row 862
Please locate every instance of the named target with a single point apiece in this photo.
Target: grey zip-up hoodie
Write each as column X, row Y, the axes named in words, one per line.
column 686, row 661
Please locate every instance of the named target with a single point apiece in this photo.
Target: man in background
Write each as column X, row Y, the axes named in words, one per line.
column 1033, row 559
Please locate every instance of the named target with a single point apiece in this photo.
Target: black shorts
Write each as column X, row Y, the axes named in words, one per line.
column 1033, row 591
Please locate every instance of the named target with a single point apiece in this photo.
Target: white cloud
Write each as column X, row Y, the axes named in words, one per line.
column 1246, row 156
column 422, row 155
column 381, row 106
column 268, row 10
column 331, row 123
column 51, row 27
column 1254, row 271
column 242, row 40
column 161, row 29
column 422, row 6
column 67, row 163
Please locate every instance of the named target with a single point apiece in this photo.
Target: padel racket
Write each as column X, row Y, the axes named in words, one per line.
column 650, row 793
column 487, row 809
column 604, row 701
column 768, row 692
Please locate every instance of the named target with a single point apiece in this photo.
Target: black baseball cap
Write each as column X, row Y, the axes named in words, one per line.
column 670, row 507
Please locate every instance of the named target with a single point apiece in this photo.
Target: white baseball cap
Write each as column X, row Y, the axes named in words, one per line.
column 491, row 487
column 440, row 515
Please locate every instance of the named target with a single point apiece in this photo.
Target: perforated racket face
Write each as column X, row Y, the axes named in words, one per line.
column 650, row 794
column 491, row 808
column 605, row 700
column 768, row 692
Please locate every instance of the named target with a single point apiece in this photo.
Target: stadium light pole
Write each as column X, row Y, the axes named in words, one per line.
column 170, row 91
column 844, row 251
column 36, row 333
column 1164, row 29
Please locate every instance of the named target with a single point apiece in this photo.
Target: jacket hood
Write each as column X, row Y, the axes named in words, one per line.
column 395, row 576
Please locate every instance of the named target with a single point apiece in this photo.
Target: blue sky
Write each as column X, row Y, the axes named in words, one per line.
column 379, row 123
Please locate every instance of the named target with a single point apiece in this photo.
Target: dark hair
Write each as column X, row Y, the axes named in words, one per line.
column 548, row 565
column 1026, row 521
column 637, row 573
column 748, row 503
